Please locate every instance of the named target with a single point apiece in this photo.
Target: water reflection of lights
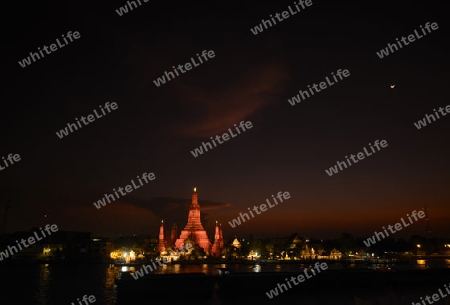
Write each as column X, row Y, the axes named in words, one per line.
column 110, row 278
column 44, row 281
column 176, row 268
column 205, row 268
column 127, row 269
column 421, row 262
column 257, row 268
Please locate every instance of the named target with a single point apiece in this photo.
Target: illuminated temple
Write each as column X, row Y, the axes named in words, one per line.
column 194, row 233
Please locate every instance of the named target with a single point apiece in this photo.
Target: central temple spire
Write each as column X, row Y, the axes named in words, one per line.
column 194, row 229
column 194, row 202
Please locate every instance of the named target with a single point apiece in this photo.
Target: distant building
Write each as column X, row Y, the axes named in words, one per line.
column 236, row 244
column 32, row 252
column 335, row 254
column 60, row 245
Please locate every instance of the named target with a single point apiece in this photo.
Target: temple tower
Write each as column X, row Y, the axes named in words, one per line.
column 217, row 232
column 194, row 228
column 216, row 246
column 162, row 240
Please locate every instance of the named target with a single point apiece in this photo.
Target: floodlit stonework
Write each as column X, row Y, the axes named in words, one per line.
column 194, row 229
column 218, row 241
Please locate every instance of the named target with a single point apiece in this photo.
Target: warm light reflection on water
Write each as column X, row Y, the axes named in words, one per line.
column 110, row 278
column 205, row 268
column 421, row 262
column 176, row 268
column 257, row 268
column 45, row 283
column 127, row 268
column 110, row 282
column 261, row 267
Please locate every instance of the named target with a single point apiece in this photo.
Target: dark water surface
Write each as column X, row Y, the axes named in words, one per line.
column 45, row 284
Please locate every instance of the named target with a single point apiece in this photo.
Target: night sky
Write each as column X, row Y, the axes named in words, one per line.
column 251, row 79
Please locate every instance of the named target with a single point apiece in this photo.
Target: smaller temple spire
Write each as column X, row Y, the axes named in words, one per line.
column 217, row 233
column 161, row 241
column 218, row 241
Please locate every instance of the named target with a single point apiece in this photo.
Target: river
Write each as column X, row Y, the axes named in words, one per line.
column 48, row 284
